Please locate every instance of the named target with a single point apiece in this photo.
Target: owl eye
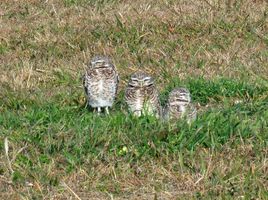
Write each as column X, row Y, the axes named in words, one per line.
column 133, row 83
column 147, row 79
column 134, row 80
column 149, row 84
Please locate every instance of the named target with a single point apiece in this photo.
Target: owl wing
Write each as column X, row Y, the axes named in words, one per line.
column 117, row 82
column 155, row 101
column 159, row 107
column 191, row 113
column 85, row 84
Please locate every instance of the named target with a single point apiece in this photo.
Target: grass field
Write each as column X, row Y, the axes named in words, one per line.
column 52, row 147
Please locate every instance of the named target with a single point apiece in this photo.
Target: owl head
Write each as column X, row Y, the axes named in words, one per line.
column 179, row 96
column 100, row 61
column 140, row 79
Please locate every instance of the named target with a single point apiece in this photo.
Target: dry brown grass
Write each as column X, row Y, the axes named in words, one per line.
column 202, row 172
column 184, row 32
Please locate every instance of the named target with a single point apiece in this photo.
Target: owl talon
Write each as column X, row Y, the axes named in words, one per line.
column 99, row 110
column 107, row 110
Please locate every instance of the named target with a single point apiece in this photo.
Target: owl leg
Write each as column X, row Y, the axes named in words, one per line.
column 107, row 110
column 99, row 110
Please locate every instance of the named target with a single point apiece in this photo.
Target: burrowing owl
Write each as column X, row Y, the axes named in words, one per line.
column 179, row 105
column 141, row 95
column 100, row 83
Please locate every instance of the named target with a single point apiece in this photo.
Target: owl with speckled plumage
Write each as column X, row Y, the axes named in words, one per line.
column 101, row 83
column 142, row 96
column 179, row 105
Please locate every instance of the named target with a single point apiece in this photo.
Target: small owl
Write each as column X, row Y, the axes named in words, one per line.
column 101, row 83
column 179, row 105
column 141, row 95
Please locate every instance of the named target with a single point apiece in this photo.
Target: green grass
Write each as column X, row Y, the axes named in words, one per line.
column 61, row 128
column 59, row 148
